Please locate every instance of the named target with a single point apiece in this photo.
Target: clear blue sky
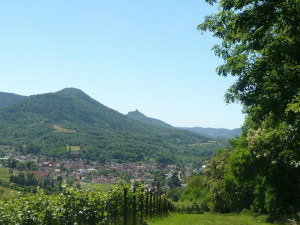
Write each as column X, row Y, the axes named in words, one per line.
column 128, row 55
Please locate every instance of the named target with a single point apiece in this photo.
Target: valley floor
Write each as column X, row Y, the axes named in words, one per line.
column 207, row 219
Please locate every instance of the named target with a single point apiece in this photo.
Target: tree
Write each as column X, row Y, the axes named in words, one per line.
column 195, row 190
column 20, row 166
column 174, row 181
column 12, row 163
column 260, row 47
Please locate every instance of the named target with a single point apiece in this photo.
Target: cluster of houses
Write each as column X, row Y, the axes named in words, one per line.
column 78, row 170
column 93, row 172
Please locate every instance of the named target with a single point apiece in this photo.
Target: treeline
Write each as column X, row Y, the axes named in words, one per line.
column 260, row 46
column 30, row 183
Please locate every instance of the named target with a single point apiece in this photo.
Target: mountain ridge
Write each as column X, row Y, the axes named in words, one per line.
column 209, row 132
column 215, row 132
column 137, row 115
column 42, row 123
column 7, row 99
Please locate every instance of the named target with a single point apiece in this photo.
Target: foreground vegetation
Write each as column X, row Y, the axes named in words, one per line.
column 85, row 207
column 260, row 47
column 207, row 219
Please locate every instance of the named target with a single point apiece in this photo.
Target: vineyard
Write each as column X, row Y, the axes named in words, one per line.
column 124, row 204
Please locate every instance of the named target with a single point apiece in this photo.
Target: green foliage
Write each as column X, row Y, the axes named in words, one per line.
column 174, row 193
column 295, row 104
column 89, row 206
column 159, row 178
column 20, row 166
column 214, row 180
column 260, row 46
column 195, row 190
column 174, row 181
column 188, row 207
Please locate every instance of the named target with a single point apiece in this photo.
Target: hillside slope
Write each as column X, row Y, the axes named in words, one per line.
column 7, row 99
column 46, row 123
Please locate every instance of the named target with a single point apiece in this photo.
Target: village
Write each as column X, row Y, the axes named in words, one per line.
column 89, row 172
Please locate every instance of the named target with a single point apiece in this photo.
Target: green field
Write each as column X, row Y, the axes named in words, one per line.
column 4, row 190
column 4, row 174
column 207, row 219
column 4, row 177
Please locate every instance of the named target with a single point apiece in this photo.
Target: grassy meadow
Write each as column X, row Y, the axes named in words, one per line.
column 4, row 177
column 4, row 174
column 207, row 219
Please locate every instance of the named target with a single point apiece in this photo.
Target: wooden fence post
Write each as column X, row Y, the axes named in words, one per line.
column 125, row 206
column 108, row 212
column 142, row 204
column 134, row 206
column 159, row 205
column 154, row 205
column 164, row 208
column 150, row 205
column 167, row 207
column 147, row 201
column 72, row 215
column 115, row 215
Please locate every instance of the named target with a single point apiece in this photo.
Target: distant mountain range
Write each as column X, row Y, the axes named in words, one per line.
column 47, row 123
column 209, row 132
column 215, row 132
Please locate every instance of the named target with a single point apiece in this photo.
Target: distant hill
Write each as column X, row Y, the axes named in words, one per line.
column 47, row 123
column 215, row 132
column 136, row 115
column 208, row 132
column 7, row 99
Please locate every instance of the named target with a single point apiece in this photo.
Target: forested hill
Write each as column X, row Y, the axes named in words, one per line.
column 215, row 132
column 209, row 132
column 136, row 115
column 9, row 98
column 47, row 123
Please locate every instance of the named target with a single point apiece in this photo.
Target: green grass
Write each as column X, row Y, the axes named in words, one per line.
column 4, row 174
column 207, row 219
column 4, row 190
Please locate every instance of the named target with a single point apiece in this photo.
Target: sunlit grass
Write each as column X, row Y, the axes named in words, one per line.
column 4, row 174
column 207, row 219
